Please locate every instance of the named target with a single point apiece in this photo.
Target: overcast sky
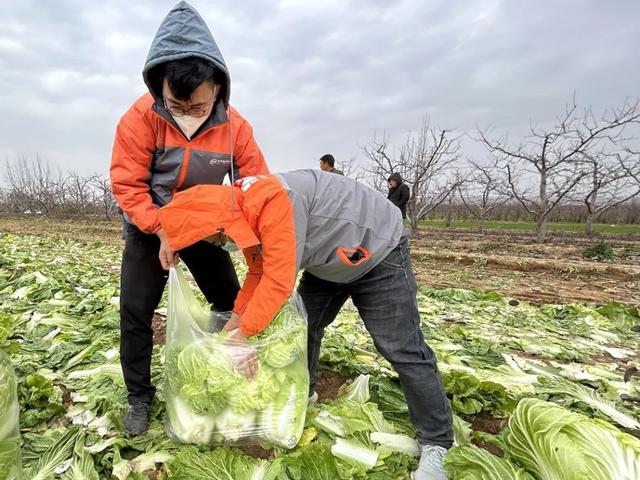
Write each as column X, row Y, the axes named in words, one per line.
column 315, row 77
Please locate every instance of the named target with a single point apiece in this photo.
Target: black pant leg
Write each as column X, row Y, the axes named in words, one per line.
column 214, row 273
column 142, row 282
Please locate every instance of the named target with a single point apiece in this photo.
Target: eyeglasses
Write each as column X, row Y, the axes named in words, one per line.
column 191, row 112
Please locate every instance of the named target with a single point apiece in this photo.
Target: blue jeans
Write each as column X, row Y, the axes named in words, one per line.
column 386, row 300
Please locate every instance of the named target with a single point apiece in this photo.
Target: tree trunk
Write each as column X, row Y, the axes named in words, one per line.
column 412, row 213
column 589, row 226
column 414, row 223
column 543, row 211
column 449, row 210
column 541, row 229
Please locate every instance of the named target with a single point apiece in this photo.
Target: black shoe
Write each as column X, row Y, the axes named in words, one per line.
column 636, row 328
column 136, row 420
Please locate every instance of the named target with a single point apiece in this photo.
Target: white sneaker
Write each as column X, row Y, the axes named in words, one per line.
column 313, row 398
column 430, row 467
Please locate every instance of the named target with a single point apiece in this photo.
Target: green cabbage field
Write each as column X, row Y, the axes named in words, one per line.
column 547, row 392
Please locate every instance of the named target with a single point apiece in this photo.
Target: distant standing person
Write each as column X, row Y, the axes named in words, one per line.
column 398, row 193
column 327, row 163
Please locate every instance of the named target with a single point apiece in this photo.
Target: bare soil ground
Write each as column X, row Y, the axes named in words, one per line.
column 328, row 384
column 484, row 422
column 512, row 263
column 79, row 229
column 159, row 325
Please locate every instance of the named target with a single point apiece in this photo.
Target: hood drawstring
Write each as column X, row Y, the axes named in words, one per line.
column 231, row 172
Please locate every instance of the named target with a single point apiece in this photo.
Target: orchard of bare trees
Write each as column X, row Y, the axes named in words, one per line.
column 33, row 187
column 582, row 162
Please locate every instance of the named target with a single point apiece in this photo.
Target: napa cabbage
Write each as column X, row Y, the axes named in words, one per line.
column 552, row 442
column 9, row 417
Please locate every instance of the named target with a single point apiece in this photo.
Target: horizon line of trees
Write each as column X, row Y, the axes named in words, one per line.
column 33, row 187
column 581, row 168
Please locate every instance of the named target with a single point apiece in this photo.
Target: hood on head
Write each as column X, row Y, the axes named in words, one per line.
column 395, row 176
column 201, row 211
column 182, row 34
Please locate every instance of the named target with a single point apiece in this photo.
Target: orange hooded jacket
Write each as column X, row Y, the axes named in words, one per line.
column 261, row 225
column 152, row 159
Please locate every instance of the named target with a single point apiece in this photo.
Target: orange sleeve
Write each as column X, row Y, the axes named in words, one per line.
column 251, row 280
column 247, row 154
column 270, row 280
column 130, row 169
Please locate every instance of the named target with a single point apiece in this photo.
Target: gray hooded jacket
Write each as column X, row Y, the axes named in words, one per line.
column 343, row 228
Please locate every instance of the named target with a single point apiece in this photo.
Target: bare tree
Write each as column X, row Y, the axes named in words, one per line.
column 350, row 168
column 547, row 166
column 631, row 164
column 609, row 183
column 457, row 180
column 104, row 196
column 79, row 193
column 485, row 192
column 423, row 161
column 382, row 163
column 33, row 185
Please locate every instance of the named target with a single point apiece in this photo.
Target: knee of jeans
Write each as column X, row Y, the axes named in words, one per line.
column 405, row 351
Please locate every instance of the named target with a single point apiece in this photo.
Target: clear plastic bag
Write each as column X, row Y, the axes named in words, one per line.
column 223, row 391
column 10, row 464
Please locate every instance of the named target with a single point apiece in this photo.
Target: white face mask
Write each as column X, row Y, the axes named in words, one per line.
column 190, row 125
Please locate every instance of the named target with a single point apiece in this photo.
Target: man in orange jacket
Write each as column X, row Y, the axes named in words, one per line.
column 350, row 242
column 182, row 133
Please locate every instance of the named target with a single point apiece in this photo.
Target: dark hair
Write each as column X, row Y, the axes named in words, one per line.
column 395, row 176
column 184, row 76
column 328, row 159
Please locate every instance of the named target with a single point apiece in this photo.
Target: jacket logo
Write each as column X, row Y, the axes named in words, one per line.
column 218, row 161
column 246, row 183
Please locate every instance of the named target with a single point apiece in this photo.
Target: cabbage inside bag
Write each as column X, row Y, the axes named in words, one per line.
column 10, row 464
column 211, row 395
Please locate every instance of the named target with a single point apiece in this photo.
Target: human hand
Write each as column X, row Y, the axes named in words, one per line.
column 168, row 258
column 233, row 324
column 245, row 356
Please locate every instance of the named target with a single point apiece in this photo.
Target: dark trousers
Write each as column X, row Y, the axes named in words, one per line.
column 142, row 282
column 386, row 300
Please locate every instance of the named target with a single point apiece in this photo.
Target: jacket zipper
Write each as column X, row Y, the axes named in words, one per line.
column 183, row 168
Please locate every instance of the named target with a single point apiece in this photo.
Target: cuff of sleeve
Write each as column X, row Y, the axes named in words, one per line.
column 248, row 330
column 239, row 308
column 156, row 226
column 151, row 228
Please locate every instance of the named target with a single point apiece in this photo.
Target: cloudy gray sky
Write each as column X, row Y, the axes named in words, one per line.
column 315, row 77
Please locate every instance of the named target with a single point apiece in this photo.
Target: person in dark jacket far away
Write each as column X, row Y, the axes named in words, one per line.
column 183, row 132
column 327, row 162
column 398, row 193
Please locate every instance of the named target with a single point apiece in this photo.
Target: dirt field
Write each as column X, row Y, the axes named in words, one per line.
column 512, row 263
column 507, row 261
